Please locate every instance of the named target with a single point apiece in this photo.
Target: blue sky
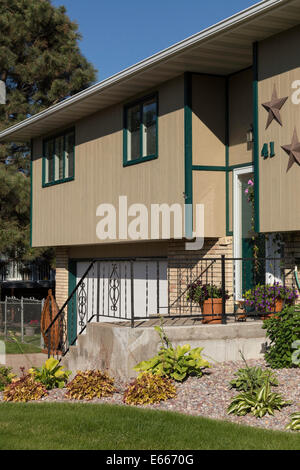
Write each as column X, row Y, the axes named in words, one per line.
column 119, row 33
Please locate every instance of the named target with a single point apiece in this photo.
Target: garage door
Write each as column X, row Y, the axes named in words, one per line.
column 113, row 289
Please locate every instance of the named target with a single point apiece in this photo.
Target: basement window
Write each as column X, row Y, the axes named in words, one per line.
column 141, row 131
column 58, row 158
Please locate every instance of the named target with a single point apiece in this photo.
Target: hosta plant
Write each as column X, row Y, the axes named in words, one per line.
column 259, row 403
column 89, row 385
column 51, row 374
column 149, row 389
column 6, row 377
column 295, row 422
column 296, row 353
column 176, row 363
column 252, row 378
column 24, row 389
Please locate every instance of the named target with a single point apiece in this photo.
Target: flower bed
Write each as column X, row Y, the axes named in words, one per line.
column 210, row 396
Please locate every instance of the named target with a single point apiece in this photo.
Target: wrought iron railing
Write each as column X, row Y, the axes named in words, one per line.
column 134, row 290
column 248, row 287
column 110, row 290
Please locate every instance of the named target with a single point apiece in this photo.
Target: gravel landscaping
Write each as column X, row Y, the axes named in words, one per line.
column 210, row 396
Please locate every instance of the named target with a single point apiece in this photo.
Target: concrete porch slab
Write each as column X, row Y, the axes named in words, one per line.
column 118, row 349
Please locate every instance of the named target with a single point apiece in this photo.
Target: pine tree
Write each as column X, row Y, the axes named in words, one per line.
column 41, row 65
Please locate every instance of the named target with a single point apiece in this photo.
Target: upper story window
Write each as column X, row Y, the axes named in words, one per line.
column 141, row 131
column 58, row 160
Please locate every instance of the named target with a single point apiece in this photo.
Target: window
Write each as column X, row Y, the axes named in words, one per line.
column 58, row 161
column 140, row 131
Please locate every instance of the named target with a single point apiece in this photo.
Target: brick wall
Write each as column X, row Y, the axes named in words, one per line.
column 62, row 276
column 184, row 267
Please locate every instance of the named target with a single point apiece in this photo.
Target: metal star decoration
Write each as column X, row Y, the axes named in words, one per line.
column 273, row 107
column 293, row 150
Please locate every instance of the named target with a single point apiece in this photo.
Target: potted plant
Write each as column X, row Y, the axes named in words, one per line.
column 30, row 328
column 209, row 297
column 269, row 299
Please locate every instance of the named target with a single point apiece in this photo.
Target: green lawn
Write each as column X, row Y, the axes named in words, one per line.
column 55, row 426
column 29, row 347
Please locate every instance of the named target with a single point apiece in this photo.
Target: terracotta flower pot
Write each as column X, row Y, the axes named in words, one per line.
column 212, row 311
column 278, row 309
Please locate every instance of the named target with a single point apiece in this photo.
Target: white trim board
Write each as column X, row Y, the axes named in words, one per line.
column 237, row 253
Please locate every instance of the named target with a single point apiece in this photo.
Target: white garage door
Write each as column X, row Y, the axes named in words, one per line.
column 107, row 292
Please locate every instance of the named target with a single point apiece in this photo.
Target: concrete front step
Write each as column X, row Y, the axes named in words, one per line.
column 118, row 349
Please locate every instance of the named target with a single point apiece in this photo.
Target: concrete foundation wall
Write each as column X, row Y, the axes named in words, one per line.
column 118, row 349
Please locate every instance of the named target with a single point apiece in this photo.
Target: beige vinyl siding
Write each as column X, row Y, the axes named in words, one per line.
column 240, row 116
column 65, row 214
column 208, row 121
column 279, row 190
column 122, row 250
column 209, row 190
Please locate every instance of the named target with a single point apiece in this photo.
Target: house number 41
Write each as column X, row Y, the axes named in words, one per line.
column 268, row 150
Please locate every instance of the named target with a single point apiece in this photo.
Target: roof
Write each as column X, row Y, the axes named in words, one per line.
column 222, row 49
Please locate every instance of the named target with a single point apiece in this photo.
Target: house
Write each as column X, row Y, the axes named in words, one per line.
column 25, row 279
column 196, row 126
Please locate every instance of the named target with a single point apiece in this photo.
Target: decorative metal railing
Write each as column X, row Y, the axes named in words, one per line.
column 247, row 288
column 208, row 290
column 111, row 290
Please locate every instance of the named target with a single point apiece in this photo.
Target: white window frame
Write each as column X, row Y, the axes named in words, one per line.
column 237, row 212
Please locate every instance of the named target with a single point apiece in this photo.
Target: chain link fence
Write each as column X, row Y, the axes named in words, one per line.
column 20, row 320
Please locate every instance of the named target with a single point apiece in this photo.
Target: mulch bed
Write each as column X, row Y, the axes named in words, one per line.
column 210, row 396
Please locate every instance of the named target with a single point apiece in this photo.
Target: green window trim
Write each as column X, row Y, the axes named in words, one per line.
column 256, row 156
column 140, row 102
column 64, row 179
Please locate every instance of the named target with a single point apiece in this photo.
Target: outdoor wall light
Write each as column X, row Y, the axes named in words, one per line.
column 250, row 135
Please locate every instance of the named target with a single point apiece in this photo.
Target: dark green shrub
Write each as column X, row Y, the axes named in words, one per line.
column 89, row 385
column 149, row 389
column 296, row 352
column 282, row 331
